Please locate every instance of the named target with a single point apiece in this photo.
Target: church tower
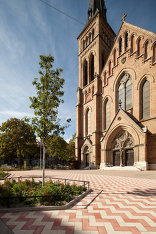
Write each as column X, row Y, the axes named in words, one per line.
column 95, row 43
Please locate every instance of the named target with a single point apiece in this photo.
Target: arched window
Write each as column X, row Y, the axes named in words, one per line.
column 120, row 46
column 146, row 99
column 115, row 58
column 92, row 67
column 124, row 92
column 107, row 114
column 154, row 53
column 126, row 41
column 110, row 68
column 139, row 47
column 105, row 78
column 85, row 73
column 88, row 122
column 146, row 50
column 132, row 44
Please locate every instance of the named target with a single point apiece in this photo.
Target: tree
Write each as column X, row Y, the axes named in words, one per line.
column 16, row 139
column 46, row 103
column 71, row 148
column 57, row 148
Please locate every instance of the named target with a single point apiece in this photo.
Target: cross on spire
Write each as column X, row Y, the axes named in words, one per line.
column 123, row 17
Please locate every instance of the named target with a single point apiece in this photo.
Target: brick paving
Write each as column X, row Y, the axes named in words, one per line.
column 116, row 205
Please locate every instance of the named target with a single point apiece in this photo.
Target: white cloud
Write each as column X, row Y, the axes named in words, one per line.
column 16, row 114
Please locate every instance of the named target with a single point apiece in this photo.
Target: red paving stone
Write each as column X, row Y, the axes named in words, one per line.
column 116, row 205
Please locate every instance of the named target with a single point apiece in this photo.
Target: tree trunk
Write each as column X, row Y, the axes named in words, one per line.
column 43, row 169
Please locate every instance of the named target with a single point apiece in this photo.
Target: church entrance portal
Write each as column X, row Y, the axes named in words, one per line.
column 123, row 149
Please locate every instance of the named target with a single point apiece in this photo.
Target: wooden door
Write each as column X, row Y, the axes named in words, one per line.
column 87, row 160
column 129, row 157
column 116, row 158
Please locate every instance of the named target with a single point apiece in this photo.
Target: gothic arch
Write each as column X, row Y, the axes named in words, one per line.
column 92, row 52
column 123, row 71
column 87, row 121
column 131, row 140
column 146, row 76
column 86, row 152
column 121, row 127
column 146, row 49
column 139, row 43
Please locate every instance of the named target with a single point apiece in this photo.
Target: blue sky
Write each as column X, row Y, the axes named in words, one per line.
column 29, row 28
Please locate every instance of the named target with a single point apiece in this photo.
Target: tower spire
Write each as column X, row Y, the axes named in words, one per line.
column 94, row 6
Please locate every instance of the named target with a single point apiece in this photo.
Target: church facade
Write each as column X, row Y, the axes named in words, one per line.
column 116, row 96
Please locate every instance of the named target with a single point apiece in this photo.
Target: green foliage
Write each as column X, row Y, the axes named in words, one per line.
column 59, row 193
column 3, row 174
column 46, row 103
column 59, row 149
column 56, row 146
column 71, row 148
column 17, row 139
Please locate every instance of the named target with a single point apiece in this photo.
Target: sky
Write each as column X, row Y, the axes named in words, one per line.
column 29, row 28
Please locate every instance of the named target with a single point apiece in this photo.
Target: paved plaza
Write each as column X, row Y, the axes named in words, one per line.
column 119, row 203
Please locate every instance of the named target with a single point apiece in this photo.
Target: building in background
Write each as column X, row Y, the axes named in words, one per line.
column 116, row 97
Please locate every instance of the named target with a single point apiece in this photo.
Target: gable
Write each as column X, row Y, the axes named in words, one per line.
column 139, row 34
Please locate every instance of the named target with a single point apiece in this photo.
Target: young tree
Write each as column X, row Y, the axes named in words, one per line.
column 46, row 102
column 15, row 139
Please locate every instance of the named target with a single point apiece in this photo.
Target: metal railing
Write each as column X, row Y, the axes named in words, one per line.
column 66, row 181
column 83, row 182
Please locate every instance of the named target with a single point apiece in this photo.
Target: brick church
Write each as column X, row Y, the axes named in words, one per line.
column 116, row 96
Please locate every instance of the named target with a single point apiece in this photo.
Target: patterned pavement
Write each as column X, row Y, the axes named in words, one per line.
column 116, row 205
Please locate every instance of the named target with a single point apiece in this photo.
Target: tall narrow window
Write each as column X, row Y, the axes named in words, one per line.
column 120, row 46
column 132, row 44
column 88, row 123
column 110, row 68
column 103, row 60
column 107, row 114
column 146, row 50
column 128, row 94
column 85, row 74
column 126, row 41
column 124, row 92
column 115, row 58
column 139, row 47
column 146, row 100
column 92, row 67
column 121, row 95
column 93, row 34
column 87, row 39
column 154, row 53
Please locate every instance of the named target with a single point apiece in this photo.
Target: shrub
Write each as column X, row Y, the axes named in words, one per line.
column 51, row 193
